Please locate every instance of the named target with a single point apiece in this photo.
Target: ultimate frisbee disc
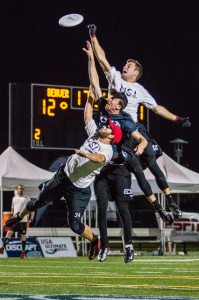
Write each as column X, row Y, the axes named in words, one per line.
column 70, row 20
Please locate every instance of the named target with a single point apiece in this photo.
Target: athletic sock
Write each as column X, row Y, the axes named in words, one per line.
column 23, row 245
column 6, row 241
column 169, row 198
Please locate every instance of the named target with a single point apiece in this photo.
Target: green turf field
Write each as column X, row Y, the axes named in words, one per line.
column 146, row 275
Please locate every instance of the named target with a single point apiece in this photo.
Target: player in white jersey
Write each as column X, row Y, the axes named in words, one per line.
column 18, row 202
column 73, row 179
column 127, row 82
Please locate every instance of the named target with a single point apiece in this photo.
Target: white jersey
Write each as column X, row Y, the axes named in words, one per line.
column 135, row 93
column 18, row 202
column 80, row 170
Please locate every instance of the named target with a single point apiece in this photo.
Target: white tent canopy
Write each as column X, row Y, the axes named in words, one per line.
column 14, row 170
column 180, row 179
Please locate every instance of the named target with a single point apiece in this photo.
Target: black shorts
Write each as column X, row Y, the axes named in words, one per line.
column 60, row 186
column 153, row 148
column 77, row 200
column 21, row 228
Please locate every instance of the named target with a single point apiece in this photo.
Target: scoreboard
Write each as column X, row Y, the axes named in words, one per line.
column 47, row 116
column 57, row 120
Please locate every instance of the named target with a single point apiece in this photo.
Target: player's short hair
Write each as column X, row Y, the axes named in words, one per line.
column 20, row 185
column 138, row 67
column 121, row 96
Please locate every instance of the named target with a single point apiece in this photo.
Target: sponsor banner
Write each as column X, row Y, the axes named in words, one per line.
column 14, row 248
column 57, row 247
column 186, row 229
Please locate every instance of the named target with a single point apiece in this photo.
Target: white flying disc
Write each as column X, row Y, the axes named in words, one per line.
column 70, row 20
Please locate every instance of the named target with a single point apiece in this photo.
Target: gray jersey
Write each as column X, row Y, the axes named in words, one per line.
column 82, row 171
column 135, row 93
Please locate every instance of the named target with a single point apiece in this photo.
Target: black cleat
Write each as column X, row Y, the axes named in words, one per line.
column 22, row 255
column 129, row 254
column 166, row 218
column 12, row 221
column 177, row 213
column 94, row 249
column 1, row 250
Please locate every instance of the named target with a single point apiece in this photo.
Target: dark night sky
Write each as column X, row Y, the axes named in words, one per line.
column 162, row 34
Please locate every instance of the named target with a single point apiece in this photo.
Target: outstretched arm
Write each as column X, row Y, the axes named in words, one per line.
column 88, row 110
column 92, row 71
column 165, row 113
column 99, row 52
column 95, row 157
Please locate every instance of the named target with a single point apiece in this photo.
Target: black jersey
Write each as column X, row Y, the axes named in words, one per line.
column 124, row 121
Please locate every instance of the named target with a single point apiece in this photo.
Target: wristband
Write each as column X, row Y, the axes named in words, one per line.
column 177, row 118
column 93, row 36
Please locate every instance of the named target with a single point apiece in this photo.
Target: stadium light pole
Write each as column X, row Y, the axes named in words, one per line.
column 178, row 148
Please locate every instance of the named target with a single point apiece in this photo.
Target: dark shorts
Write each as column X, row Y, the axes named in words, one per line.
column 77, row 200
column 57, row 187
column 153, row 148
column 60, row 186
column 21, row 228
